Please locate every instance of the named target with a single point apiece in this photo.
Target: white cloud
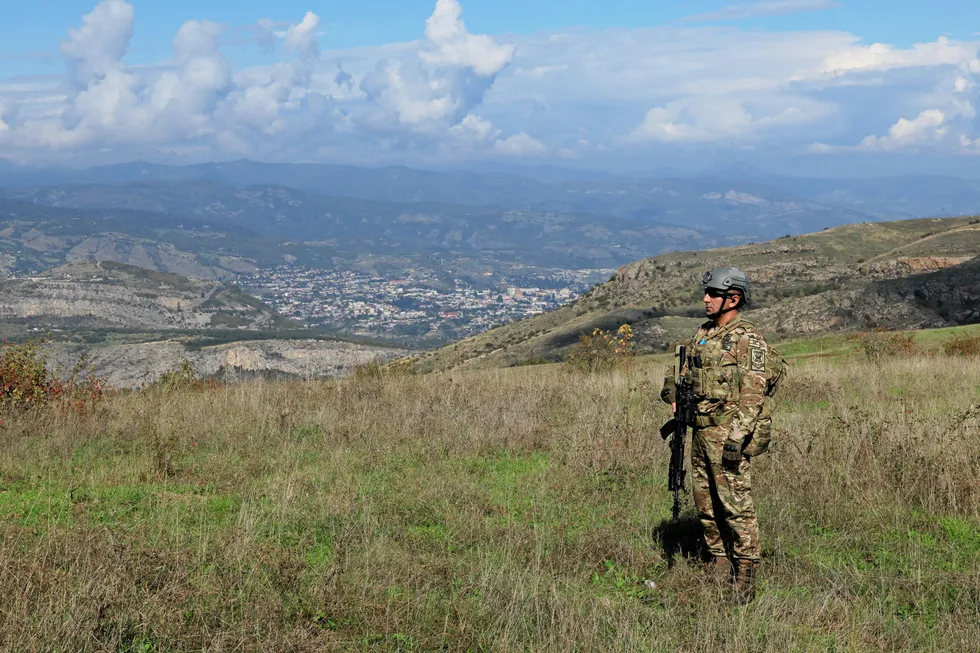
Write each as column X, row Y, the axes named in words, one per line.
column 95, row 49
column 520, row 145
column 449, row 45
column 756, row 9
column 450, row 75
column 945, row 123
column 109, row 103
column 882, row 57
column 454, row 95
column 928, row 127
column 474, row 128
column 301, row 38
column 429, row 88
column 713, row 118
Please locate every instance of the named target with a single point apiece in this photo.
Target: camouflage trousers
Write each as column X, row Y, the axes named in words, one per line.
column 723, row 497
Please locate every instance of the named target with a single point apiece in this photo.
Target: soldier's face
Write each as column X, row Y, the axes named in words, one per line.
column 715, row 302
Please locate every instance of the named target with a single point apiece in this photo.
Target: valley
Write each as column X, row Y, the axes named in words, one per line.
column 477, row 269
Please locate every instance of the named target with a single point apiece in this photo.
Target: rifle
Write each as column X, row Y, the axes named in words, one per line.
column 676, row 429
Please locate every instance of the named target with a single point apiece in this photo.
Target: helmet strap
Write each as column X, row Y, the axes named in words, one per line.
column 717, row 314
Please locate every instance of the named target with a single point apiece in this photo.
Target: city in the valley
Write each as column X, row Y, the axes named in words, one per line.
column 417, row 305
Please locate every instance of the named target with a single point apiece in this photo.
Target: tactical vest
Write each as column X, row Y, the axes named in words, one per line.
column 716, row 383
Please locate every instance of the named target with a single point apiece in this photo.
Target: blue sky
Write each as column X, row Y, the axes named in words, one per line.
column 41, row 24
column 819, row 83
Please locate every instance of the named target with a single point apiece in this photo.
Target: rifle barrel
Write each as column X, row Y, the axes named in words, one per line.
column 683, row 418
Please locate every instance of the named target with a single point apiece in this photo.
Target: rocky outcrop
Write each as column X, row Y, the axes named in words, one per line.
column 106, row 294
column 136, row 365
column 904, row 266
column 952, row 294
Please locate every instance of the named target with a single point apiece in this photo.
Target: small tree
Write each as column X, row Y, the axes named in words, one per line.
column 26, row 383
column 603, row 350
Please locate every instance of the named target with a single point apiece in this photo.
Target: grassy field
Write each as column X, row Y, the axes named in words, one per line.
column 845, row 346
column 499, row 510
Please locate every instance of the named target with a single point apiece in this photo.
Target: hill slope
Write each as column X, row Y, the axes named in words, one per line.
column 34, row 238
column 905, row 274
column 115, row 295
column 355, row 228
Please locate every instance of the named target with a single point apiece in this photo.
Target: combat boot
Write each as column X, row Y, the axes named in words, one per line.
column 719, row 569
column 745, row 577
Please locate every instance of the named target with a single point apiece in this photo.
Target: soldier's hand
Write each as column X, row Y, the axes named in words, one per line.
column 732, row 453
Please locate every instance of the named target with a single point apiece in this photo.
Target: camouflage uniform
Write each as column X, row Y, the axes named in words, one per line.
column 730, row 387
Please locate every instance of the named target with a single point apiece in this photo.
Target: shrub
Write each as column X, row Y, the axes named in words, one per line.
column 963, row 345
column 533, row 360
column 370, row 370
column 376, row 369
column 26, row 383
column 880, row 343
column 603, row 350
column 183, row 376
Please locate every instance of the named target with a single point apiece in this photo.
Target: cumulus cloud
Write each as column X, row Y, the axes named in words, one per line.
column 881, row 57
column 714, row 118
column 474, row 128
column 5, row 111
column 451, row 46
column 301, row 38
column 946, row 123
column 95, row 49
column 110, row 103
column 926, row 128
column 450, row 76
column 520, row 145
column 430, row 87
column 756, row 9
column 454, row 95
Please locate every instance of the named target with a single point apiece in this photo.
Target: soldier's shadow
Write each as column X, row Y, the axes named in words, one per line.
column 683, row 538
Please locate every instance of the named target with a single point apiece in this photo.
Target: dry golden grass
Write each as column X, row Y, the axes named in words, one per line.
column 500, row 510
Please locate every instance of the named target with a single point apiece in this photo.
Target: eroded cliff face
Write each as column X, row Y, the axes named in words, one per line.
column 947, row 296
column 952, row 293
column 94, row 294
column 904, row 266
column 137, row 365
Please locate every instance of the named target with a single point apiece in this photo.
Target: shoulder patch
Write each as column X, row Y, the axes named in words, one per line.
column 728, row 343
column 757, row 356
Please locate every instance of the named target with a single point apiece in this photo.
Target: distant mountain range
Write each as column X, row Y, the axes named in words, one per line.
column 212, row 221
column 207, row 230
column 746, row 204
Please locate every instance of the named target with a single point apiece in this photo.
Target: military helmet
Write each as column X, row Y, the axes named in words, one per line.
column 727, row 278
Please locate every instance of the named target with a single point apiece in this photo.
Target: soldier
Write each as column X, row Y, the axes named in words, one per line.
column 730, row 387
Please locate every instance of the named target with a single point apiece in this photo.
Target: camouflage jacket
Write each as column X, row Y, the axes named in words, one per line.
column 731, row 383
